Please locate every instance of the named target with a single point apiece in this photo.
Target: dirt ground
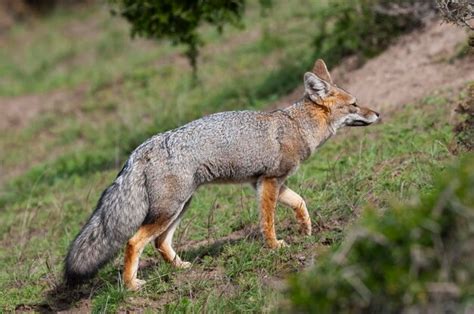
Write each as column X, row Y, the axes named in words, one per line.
column 18, row 111
column 415, row 66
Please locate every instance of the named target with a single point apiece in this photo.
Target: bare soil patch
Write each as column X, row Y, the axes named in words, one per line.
column 18, row 111
column 415, row 66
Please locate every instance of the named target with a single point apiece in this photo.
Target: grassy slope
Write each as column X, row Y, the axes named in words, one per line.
column 131, row 90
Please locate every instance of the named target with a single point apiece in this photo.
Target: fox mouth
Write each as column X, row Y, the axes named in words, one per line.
column 358, row 123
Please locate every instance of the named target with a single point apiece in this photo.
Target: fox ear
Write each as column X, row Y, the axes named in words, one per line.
column 315, row 87
column 321, row 70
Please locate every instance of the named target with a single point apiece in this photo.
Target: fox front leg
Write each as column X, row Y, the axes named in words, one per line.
column 164, row 245
column 291, row 199
column 268, row 191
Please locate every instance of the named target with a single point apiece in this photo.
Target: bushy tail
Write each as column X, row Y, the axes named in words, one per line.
column 120, row 211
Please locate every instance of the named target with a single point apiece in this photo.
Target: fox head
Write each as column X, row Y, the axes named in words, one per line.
column 341, row 107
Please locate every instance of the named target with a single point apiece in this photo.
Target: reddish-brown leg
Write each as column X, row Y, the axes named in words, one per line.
column 268, row 190
column 135, row 248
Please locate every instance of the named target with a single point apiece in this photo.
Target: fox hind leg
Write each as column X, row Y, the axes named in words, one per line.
column 135, row 248
column 291, row 199
column 165, row 217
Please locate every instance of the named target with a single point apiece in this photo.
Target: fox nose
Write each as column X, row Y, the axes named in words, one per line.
column 377, row 114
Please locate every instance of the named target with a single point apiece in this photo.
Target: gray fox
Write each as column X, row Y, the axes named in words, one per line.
column 152, row 191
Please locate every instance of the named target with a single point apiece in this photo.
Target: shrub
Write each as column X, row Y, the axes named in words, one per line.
column 411, row 258
column 459, row 12
column 365, row 27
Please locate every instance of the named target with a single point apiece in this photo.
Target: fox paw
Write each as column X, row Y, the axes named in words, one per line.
column 278, row 244
column 183, row 265
column 135, row 285
column 305, row 229
column 281, row 243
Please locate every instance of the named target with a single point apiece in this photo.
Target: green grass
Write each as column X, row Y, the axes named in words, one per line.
column 117, row 93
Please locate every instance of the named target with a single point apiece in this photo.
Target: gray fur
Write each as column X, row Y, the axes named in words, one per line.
column 163, row 173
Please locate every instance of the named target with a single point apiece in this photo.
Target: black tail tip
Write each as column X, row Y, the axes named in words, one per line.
column 73, row 279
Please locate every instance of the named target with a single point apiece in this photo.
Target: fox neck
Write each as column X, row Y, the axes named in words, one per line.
column 313, row 122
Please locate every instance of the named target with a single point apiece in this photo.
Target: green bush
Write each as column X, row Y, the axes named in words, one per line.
column 415, row 257
column 364, row 27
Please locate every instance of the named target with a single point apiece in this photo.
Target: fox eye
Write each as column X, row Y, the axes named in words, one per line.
column 353, row 108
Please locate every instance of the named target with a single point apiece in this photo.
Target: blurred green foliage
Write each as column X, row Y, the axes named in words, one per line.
column 414, row 256
column 361, row 27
